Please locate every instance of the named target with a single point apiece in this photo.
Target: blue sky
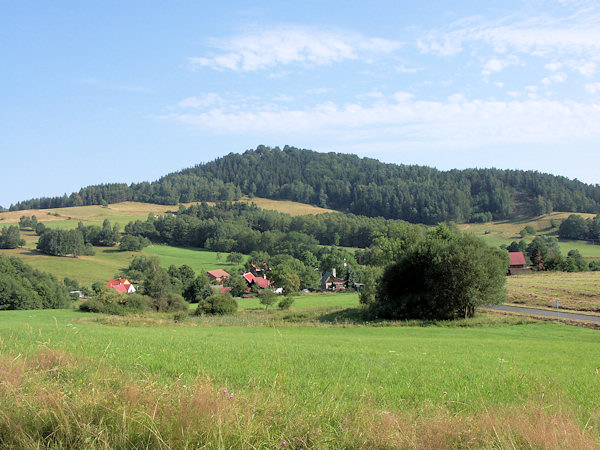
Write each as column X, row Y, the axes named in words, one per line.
column 98, row 92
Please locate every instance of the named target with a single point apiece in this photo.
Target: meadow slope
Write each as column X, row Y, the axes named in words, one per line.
column 68, row 381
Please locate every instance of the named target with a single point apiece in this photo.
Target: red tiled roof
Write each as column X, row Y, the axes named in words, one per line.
column 517, row 259
column 124, row 288
column 249, row 277
column 225, row 290
column 117, row 282
column 218, row 273
column 262, row 282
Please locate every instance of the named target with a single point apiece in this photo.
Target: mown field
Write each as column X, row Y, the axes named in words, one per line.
column 576, row 291
column 68, row 380
column 125, row 212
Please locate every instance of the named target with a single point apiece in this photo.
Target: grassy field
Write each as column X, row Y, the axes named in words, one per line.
column 109, row 262
column 125, row 212
column 198, row 259
column 504, row 232
column 577, row 291
column 70, row 382
column 321, row 300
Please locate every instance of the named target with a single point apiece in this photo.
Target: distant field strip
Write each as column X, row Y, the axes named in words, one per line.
column 576, row 291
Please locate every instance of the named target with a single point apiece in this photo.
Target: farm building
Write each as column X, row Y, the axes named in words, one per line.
column 518, row 263
column 121, row 285
column 261, row 281
column 217, row 275
column 330, row 282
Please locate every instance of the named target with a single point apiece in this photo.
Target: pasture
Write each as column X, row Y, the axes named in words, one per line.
column 504, row 232
column 68, row 380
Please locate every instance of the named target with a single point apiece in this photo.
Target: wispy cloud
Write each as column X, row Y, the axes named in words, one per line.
column 578, row 34
column 554, row 79
column 287, row 44
column 456, row 122
column 499, row 64
column 593, row 88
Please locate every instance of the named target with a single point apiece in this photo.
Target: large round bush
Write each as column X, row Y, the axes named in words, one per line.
column 217, row 304
column 445, row 276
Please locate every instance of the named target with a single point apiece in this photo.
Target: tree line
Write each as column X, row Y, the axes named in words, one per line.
column 22, row 287
column 576, row 227
column 347, row 183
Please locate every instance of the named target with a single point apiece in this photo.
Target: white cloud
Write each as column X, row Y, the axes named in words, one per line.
column 592, row 88
column 404, row 69
column 554, row 79
column 457, row 122
column 289, row 44
column 587, row 70
column 578, row 34
column 554, row 66
column 497, row 65
column 204, row 101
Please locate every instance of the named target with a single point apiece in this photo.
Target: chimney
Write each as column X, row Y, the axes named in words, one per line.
column 333, row 272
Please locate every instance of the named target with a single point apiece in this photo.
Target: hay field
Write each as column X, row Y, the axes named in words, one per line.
column 578, row 291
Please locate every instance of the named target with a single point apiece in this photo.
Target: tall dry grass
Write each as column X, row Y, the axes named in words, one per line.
column 54, row 400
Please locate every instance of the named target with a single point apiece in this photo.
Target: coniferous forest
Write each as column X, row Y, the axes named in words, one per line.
column 348, row 183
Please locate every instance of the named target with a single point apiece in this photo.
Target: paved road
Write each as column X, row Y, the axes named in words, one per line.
column 544, row 312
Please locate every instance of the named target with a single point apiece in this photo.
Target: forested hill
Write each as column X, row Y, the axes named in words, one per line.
column 348, row 183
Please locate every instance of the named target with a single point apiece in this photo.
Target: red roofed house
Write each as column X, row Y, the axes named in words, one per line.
column 517, row 263
column 261, row 282
column 121, row 285
column 217, row 275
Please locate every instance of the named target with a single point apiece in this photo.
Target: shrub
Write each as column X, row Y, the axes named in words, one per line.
column 286, row 302
column 218, row 304
column 481, row 217
column 130, row 243
column 110, row 301
column 267, row 299
column 171, row 303
column 371, row 279
column 446, row 276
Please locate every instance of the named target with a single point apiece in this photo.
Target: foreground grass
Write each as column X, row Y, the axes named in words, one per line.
column 66, row 382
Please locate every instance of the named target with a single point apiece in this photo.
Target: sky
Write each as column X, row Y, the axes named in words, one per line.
column 100, row 92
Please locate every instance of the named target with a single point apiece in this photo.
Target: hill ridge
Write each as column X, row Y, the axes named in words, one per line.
column 348, row 183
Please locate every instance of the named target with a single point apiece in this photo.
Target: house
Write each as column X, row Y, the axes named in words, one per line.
column 259, row 270
column 330, row 282
column 517, row 263
column 121, row 285
column 261, row 282
column 217, row 275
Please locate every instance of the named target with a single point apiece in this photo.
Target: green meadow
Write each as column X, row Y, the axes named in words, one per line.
column 193, row 384
column 505, row 231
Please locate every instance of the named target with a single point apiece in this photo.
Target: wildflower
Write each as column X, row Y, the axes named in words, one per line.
column 284, row 443
column 231, row 396
column 3, row 369
column 224, row 391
